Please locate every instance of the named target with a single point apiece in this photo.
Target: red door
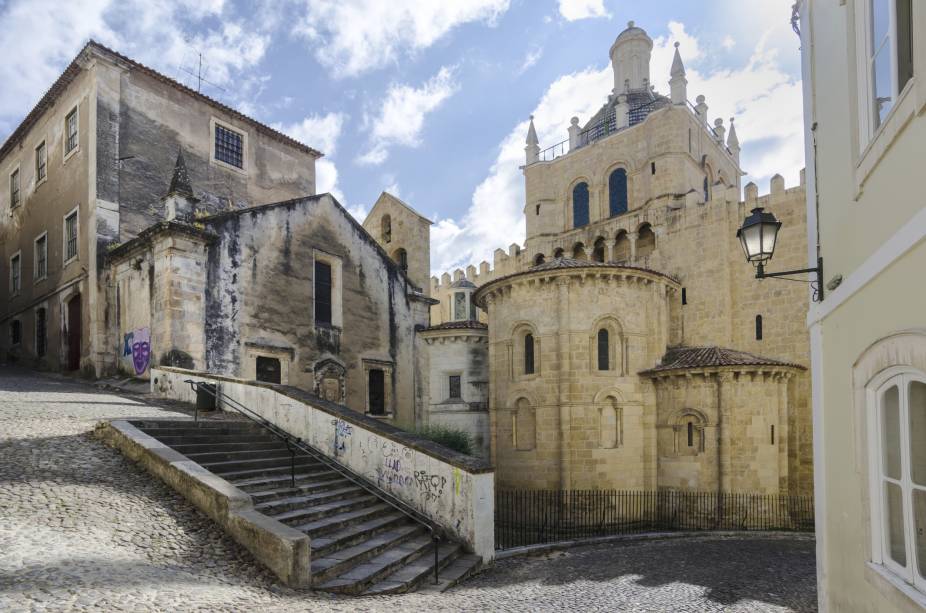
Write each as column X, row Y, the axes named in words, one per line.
column 73, row 333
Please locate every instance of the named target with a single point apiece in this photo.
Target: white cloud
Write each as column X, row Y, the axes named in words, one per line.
column 728, row 42
column 319, row 131
column 533, row 56
column 42, row 36
column 351, row 37
column 400, row 118
column 765, row 100
column 572, row 10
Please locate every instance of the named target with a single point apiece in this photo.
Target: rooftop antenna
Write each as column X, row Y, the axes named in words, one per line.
column 199, row 74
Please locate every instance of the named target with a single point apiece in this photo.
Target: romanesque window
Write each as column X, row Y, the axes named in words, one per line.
column 758, row 327
column 268, row 369
column 558, row 253
column 684, row 296
column 376, row 391
column 14, row 189
column 528, row 354
column 40, row 332
column 401, row 258
column 898, row 482
column 604, row 350
column 70, row 130
column 617, row 192
column 610, row 424
column 598, row 253
column 387, row 228
column 228, row 146
column 622, row 247
column 580, row 205
column 524, row 426
column 578, row 251
column 689, row 433
column 322, row 293
column 646, row 241
column 707, row 190
column 652, row 168
column 538, row 259
column 455, row 392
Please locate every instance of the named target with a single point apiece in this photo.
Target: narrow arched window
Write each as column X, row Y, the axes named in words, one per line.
column 617, row 192
column 580, row 205
column 538, row 259
column 707, row 191
column 758, row 327
column 401, row 258
column 603, row 350
column 690, row 434
column 528, row 354
column 387, row 229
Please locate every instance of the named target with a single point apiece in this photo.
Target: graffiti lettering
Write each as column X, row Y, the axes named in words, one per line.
column 393, row 464
column 431, row 487
column 389, row 477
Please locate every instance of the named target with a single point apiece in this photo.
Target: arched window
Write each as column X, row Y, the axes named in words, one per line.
column 598, row 253
column 401, row 258
column 691, row 434
column 707, row 189
column 622, row 247
column 646, row 241
column 604, row 351
column 387, row 228
column 558, row 254
column 758, row 327
column 610, row 424
column 580, row 205
column 539, row 259
column 528, row 354
column 578, row 252
column 617, row 192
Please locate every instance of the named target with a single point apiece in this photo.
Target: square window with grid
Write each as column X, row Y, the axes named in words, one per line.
column 228, row 146
column 70, row 236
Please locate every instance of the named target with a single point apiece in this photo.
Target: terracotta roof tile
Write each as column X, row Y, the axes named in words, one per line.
column 680, row 358
column 459, row 325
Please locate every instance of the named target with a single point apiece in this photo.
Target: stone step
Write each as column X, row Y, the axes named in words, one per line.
column 232, row 445
column 242, row 455
column 279, row 506
column 249, row 483
column 355, row 533
column 335, row 522
column 302, row 516
column 276, row 461
column 193, row 430
column 283, row 471
column 421, row 572
column 332, row 571
column 356, row 578
column 212, row 439
column 461, row 568
column 270, row 492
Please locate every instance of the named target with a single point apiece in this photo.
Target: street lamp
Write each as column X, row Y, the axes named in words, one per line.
column 758, row 236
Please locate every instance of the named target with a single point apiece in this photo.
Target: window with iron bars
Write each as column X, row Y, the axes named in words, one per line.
column 228, row 146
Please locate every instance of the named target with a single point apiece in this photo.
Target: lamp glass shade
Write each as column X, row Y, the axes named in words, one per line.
column 758, row 236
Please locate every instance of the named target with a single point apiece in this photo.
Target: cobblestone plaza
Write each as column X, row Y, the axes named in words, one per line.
column 82, row 528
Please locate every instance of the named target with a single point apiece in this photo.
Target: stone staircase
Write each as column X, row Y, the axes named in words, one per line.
column 360, row 545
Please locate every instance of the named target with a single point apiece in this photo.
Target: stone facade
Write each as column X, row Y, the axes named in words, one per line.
column 631, row 234
column 404, row 234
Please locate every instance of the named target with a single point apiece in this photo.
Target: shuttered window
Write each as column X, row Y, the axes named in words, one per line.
column 322, row 293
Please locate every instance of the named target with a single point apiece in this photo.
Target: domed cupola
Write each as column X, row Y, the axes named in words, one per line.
column 630, row 58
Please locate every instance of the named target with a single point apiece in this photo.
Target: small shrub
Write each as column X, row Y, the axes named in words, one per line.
column 458, row 440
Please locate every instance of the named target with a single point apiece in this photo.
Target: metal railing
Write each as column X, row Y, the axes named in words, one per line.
column 529, row 517
column 295, row 443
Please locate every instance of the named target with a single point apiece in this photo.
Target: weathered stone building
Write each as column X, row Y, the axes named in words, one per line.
column 85, row 169
column 629, row 345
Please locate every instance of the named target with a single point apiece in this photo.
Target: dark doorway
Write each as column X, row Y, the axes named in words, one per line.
column 268, row 369
column 73, row 333
column 377, row 391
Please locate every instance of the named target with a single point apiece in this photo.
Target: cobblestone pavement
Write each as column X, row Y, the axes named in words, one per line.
column 82, row 528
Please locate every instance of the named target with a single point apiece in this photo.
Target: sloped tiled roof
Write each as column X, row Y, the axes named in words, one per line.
column 680, row 358
column 462, row 283
column 74, row 69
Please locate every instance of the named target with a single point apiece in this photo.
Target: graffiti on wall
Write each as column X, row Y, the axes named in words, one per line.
column 342, row 431
column 431, row 487
column 137, row 344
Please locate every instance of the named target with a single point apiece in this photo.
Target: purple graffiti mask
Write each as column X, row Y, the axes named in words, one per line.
column 141, row 355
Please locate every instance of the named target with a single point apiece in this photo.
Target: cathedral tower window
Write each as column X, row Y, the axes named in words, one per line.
column 580, row 205
column 528, row 354
column 646, row 241
column 598, row 253
column 617, row 192
column 401, row 258
column 604, row 350
column 758, row 327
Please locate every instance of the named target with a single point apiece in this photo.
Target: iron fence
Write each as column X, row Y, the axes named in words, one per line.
column 528, row 517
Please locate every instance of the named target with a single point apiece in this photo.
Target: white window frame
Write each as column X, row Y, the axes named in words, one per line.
column 337, row 318
column 14, row 290
column 64, row 141
column 19, row 189
column 65, row 260
column 868, row 133
column 43, row 144
column 35, row 257
column 213, row 122
column 900, row 376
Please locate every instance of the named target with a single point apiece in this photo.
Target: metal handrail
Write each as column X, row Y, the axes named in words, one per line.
column 437, row 531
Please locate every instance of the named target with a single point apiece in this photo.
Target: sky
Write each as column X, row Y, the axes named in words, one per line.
column 428, row 99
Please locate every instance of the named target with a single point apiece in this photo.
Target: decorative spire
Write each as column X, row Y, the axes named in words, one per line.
column 532, row 150
column 678, row 69
column 678, row 84
column 180, row 181
column 733, row 142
